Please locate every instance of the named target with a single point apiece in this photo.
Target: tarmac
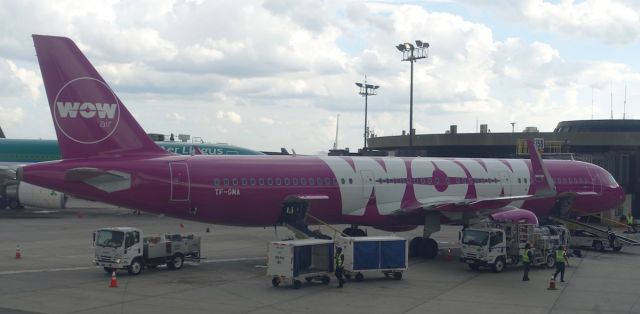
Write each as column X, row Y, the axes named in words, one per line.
column 56, row 275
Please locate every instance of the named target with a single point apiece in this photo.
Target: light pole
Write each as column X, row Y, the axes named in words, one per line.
column 513, row 127
column 366, row 90
column 412, row 53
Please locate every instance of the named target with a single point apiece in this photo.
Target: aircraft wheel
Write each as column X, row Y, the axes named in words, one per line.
column 297, row 284
column 416, row 247
column 430, row 247
column 617, row 249
column 359, row 277
column 275, row 281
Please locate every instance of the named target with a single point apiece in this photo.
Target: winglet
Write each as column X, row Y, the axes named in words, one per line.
column 543, row 182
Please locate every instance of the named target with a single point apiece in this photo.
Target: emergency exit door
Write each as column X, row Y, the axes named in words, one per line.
column 180, row 182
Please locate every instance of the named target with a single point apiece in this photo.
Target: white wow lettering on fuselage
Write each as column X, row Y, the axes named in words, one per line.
column 86, row 109
column 431, row 179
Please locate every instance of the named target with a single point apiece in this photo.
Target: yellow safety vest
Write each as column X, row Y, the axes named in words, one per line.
column 525, row 256
column 339, row 260
column 630, row 220
column 559, row 256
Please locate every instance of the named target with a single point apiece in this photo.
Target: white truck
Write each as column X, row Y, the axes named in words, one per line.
column 497, row 245
column 127, row 248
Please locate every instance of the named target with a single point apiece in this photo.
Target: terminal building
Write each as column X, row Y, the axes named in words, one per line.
column 612, row 144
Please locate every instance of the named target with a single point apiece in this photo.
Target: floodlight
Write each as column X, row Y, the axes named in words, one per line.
column 408, row 46
column 419, row 43
column 359, row 84
column 400, row 47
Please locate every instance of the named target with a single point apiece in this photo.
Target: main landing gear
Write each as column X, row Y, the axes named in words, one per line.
column 354, row 231
column 425, row 246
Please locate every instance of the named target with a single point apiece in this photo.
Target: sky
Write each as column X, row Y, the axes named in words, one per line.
column 277, row 73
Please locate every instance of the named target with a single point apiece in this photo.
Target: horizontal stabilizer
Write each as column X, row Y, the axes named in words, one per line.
column 105, row 180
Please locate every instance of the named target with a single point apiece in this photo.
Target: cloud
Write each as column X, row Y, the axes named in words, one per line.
column 10, row 116
column 266, row 120
column 230, row 116
column 176, row 116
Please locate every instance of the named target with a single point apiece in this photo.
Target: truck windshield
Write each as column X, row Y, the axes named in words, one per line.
column 475, row 237
column 109, row 238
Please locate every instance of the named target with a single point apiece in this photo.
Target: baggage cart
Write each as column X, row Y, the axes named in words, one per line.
column 386, row 254
column 295, row 260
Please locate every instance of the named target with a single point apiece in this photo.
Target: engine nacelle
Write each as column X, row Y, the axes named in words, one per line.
column 395, row 228
column 35, row 196
column 516, row 215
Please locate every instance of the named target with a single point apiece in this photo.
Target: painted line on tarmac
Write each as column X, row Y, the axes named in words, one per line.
column 27, row 271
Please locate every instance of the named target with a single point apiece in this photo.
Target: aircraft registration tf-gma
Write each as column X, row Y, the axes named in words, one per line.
column 107, row 156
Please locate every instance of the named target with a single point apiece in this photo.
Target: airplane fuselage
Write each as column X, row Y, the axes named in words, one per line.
column 250, row 190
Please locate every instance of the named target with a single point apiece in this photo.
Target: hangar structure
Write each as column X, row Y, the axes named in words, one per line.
column 611, row 144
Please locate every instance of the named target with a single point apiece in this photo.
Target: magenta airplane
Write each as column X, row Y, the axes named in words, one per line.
column 109, row 158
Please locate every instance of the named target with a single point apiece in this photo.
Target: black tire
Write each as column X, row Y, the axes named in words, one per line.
column 359, row 233
column 430, row 248
column 297, row 284
column 416, row 247
column 498, row 266
column 326, row 280
column 397, row 275
column 275, row 281
column 14, row 204
column 108, row 270
column 359, row 277
column 135, row 268
column 348, row 232
column 474, row 266
column 598, row 246
column 551, row 261
column 308, row 279
column 617, row 249
column 176, row 262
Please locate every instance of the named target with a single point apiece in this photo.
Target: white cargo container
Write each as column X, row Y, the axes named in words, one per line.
column 384, row 254
column 294, row 260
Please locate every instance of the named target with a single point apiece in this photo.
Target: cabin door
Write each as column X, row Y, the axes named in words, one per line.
column 505, row 181
column 180, row 182
column 367, row 183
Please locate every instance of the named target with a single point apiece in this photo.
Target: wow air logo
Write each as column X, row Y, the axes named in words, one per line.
column 86, row 110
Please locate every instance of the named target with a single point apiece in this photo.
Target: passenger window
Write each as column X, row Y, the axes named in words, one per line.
column 303, row 181
column 334, row 181
column 261, row 181
column 350, row 181
column 519, row 180
column 295, row 181
column 235, row 181
column 319, row 181
column 253, row 181
column 269, row 181
column 525, row 180
column 342, row 180
column 286, row 181
column 278, row 181
column 327, row 181
column 216, row 181
column 226, row 181
column 312, row 181
column 244, row 181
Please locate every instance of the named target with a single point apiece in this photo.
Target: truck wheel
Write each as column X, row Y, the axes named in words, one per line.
column 135, row 268
column 297, row 284
column 498, row 266
column 108, row 270
column 474, row 266
column 597, row 245
column 551, row 261
column 275, row 281
column 397, row 275
column 14, row 204
column 326, row 280
column 359, row 277
column 617, row 249
column 176, row 262
column 308, row 279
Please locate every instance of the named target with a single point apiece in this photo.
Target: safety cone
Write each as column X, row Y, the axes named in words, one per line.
column 18, row 252
column 181, row 226
column 552, row 284
column 114, row 280
column 449, row 255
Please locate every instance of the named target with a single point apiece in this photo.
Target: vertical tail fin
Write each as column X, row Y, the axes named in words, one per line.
column 545, row 187
column 90, row 120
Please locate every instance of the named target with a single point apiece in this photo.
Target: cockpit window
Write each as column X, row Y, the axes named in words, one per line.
column 611, row 181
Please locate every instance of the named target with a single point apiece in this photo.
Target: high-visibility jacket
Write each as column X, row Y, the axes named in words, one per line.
column 339, row 260
column 525, row 256
column 629, row 220
column 559, row 256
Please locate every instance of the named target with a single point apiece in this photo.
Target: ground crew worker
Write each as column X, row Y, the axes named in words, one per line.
column 630, row 222
column 612, row 237
column 527, row 257
column 339, row 263
column 561, row 258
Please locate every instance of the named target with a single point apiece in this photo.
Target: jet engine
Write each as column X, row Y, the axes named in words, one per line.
column 20, row 194
column 516, row 215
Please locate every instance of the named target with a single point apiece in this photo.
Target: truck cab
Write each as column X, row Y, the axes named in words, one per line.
column 117, row 248
column 484, row 247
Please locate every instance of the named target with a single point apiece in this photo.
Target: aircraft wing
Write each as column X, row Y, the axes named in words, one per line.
column 307, row 197
column 105, row 180
column 461, row 205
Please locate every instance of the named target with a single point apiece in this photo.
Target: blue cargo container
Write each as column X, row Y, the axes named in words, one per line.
column 292, row 261
column 387, row 255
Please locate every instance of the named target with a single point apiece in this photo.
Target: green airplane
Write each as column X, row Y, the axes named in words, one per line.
column 15, row 152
